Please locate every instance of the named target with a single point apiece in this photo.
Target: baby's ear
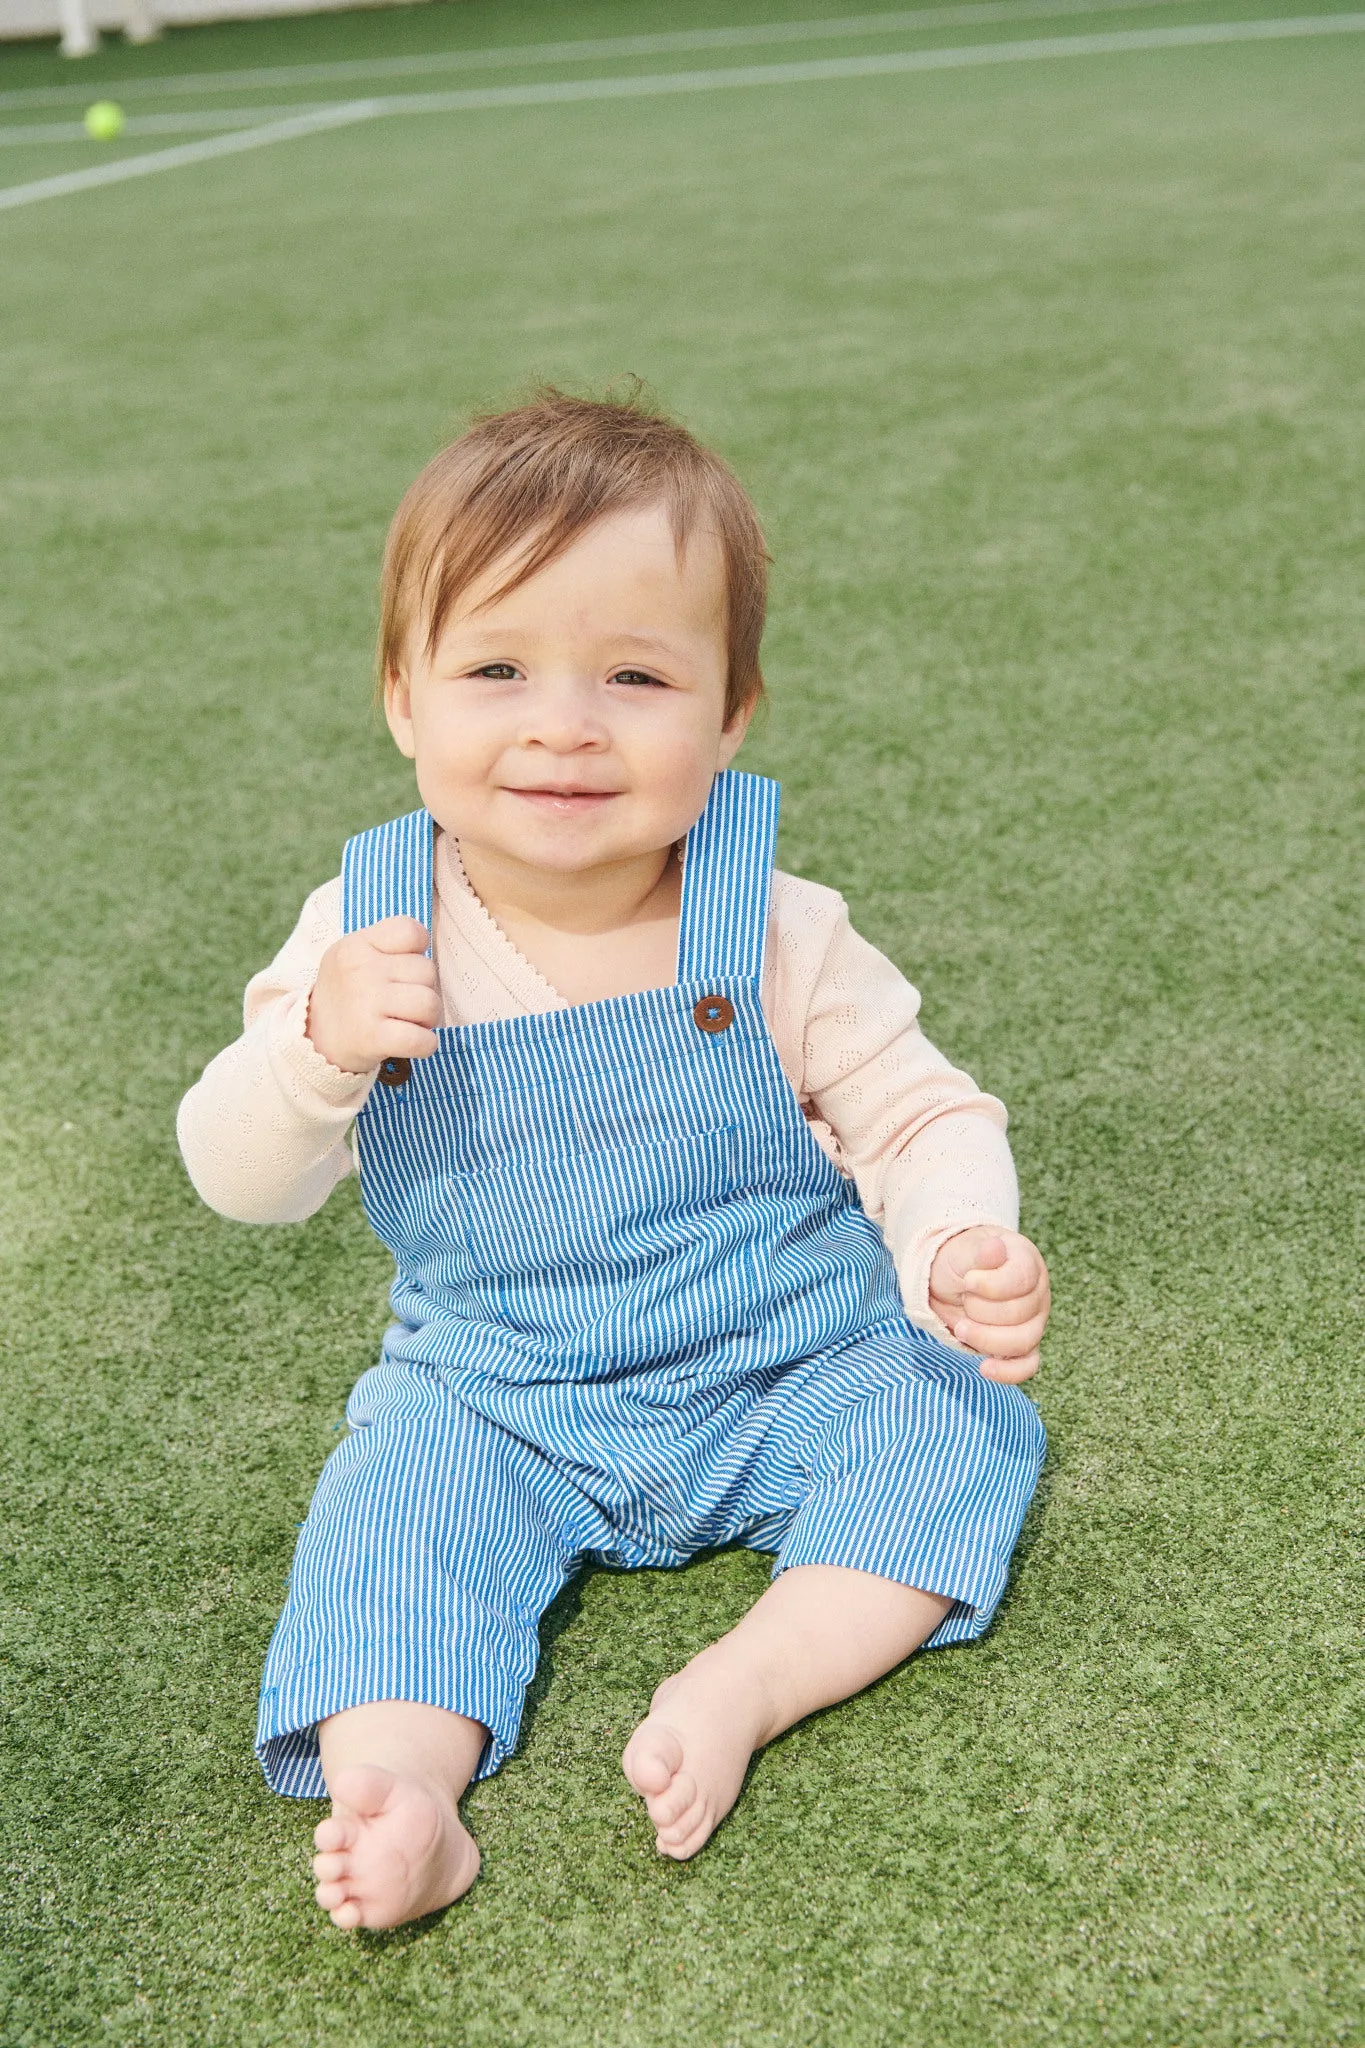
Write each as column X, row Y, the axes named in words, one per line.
column 398, row 710
column 732, row 733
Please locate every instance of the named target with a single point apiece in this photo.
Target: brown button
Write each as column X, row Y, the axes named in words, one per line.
column 393, row 1073
column 713, row 1013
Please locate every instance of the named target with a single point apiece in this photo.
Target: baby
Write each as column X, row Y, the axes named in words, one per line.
column 698, row 1240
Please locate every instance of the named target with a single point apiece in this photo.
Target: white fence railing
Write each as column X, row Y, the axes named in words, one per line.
column 79, row 22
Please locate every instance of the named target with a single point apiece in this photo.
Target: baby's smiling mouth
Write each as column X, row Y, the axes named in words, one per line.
column 567, row 799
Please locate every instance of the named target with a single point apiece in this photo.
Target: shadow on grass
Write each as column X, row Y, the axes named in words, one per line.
column 1035, row 1520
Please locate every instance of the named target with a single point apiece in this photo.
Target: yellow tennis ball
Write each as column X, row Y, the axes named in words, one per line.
column 104, row 121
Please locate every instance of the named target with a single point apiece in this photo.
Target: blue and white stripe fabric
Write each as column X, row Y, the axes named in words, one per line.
column 638, row 1313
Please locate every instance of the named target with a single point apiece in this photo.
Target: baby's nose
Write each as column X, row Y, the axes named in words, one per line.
column 566, row 719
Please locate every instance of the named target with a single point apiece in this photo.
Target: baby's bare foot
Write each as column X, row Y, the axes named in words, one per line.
column 392, row 1850
column 687, row 1759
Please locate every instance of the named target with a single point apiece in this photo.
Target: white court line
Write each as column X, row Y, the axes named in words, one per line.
column 560, row 92
column 192, row 121
column 189, row 153
column 678, row 41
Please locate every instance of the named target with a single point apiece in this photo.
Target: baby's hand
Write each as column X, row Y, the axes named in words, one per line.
column 375, row 997
column 990, row 1288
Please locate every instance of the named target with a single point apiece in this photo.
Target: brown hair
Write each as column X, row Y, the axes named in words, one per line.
column 540, row 475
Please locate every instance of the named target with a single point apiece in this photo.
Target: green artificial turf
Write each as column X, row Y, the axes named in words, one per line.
column 1047, row 382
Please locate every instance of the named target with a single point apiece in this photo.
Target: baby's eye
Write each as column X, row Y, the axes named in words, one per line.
column 638, row 676
column 497, row 672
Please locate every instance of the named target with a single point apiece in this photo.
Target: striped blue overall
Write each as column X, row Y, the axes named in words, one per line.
column 638, row 1313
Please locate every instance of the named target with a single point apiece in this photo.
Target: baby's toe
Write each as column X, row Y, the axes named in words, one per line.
column 670, row 1833
column 364, row 1790
column 347, row 1915
column 330, row 1894
column 326, row 1869
column 652, row 1760
column 336, row 1832
column 669, row 1807
column 689, row 1834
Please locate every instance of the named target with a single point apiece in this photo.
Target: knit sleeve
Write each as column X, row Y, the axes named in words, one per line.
column 925, row 1147
column 264, row 1130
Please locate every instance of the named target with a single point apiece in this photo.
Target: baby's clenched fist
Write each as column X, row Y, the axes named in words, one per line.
column 991, row 1289
column 375, row 997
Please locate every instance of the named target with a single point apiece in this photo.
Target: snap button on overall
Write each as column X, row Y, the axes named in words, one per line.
column 713, row 1013
column 393, row 1073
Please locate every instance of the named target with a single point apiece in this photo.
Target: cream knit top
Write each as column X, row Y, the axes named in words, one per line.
column 265, row 1131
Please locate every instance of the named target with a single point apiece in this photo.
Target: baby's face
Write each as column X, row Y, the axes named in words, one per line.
column 580, row 720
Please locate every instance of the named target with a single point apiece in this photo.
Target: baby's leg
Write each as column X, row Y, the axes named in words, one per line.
column 395, row 1846
column 819, row 1634
column 914, row 1469
column 434, row 1543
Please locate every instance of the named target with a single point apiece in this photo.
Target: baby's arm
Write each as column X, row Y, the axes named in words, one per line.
column 263, row 1132
column 928, row 1152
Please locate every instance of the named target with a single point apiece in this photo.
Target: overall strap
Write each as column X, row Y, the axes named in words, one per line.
column 387, row 873
column 727, row 879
